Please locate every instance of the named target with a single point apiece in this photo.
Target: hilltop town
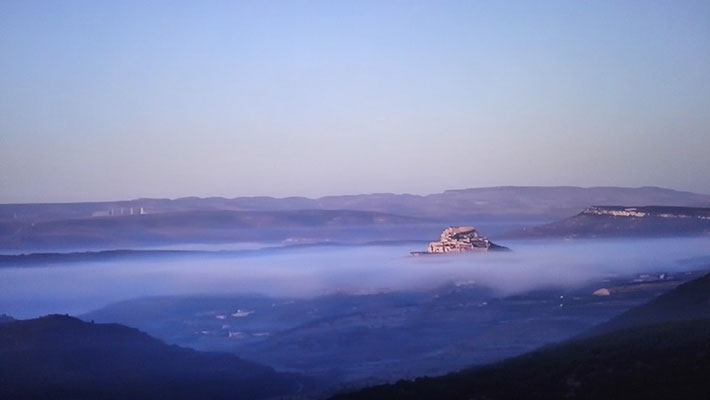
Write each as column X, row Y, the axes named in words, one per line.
column 608, row 221
column 459, row 239
column 649, row 211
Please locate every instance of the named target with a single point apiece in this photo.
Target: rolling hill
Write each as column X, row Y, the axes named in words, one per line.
column 202, row 226
column 660, row 350
column 60, row 357
column 665, row 361
column 688, row 301
column 626, row 221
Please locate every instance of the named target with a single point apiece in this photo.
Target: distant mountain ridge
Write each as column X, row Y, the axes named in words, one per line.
column 199, row 226
column 639, row 221
column 373, row 217
column 492, row 201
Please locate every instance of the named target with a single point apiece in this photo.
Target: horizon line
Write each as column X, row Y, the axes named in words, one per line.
column 359, row 194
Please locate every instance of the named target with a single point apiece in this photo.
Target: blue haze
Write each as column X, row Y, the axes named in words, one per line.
column 80, row 287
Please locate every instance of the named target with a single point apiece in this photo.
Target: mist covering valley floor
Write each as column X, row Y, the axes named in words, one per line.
column 374, row 338
column 336, row 299
column 358, row 314
column 307, row 271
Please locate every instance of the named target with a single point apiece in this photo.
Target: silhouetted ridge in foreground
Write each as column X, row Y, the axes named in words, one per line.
column 666, row 361
column 60, row 357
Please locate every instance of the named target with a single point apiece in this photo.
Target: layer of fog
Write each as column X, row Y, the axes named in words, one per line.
column 81, row 287
column 238, row 246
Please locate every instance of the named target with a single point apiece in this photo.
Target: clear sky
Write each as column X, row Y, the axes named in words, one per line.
column 108, row 100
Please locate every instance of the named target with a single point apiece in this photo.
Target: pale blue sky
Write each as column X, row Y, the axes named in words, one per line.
column 111, row 100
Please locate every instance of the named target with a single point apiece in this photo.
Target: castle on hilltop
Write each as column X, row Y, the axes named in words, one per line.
column 460, row 239
column 457, row 239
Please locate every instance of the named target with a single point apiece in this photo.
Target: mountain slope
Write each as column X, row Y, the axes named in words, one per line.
column 610, row 221
column 688, row 301
column 660, row 350
column 59, row 357
column 666, row 361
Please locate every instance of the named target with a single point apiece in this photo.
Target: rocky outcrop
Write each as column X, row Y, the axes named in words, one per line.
column 459, row 239
column 62, row 357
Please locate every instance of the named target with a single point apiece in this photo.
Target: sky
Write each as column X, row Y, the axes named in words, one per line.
column 119, row 99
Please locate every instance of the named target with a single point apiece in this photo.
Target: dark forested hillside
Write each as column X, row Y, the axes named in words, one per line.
column 59, row 357
column 660, row 350
column 666, row 361
column 688, row 301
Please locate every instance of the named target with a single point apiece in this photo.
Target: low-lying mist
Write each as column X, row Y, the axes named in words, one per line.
column 80, row 287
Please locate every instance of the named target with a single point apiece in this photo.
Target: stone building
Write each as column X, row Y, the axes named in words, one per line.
column 457, row 239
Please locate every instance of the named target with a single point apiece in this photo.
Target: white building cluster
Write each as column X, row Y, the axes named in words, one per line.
column 633, row 212
column 112, row 212
column 626, row 212
column 456, row 239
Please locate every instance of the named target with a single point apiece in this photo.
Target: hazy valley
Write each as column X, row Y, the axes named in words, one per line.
column 309, row 200
column 334, row 296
